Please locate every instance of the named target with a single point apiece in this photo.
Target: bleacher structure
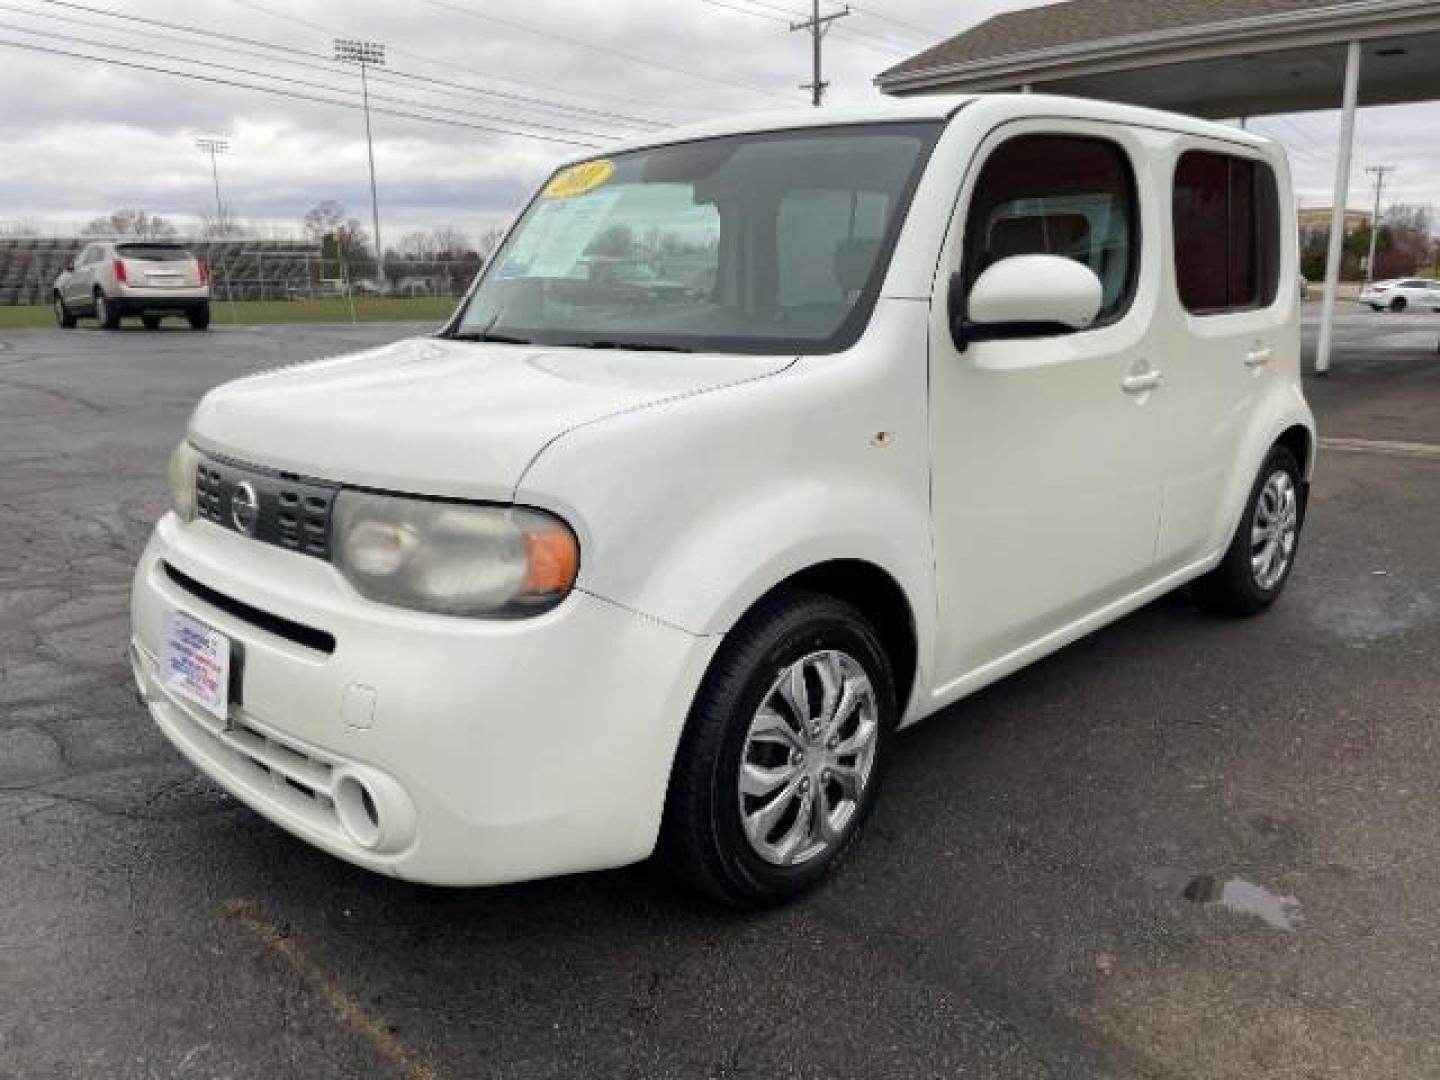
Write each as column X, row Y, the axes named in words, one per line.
column 240, row 269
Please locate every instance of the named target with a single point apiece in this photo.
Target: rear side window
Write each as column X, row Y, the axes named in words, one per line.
column 1058, row 195
column 1227, row 233
column 152, row 252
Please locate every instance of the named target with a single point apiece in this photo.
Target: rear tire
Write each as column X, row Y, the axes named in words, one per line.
column 64, row 317
column 1262, row 553
column 811, row 747
column 152, row 322
column 1399, row 304
column 199, row 318
column 106, row 313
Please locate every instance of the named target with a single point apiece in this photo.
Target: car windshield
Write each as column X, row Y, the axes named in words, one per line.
column 761, row 243
column 152, row 252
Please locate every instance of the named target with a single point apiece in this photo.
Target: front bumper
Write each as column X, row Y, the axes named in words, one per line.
column 488, row 751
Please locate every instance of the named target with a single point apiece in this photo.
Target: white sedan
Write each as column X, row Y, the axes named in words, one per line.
column 1402, row 293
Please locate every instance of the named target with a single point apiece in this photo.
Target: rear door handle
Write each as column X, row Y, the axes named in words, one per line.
column 1142, row 382
column 1258, row 356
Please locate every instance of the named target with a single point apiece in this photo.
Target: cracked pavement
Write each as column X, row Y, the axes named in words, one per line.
column 1186, row 847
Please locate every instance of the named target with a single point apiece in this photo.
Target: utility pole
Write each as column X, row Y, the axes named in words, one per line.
column 1379, row 171
column 817, row 24
column 365, row 54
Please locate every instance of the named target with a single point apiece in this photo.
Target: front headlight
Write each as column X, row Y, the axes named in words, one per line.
column 453, row 558
column 180, row 475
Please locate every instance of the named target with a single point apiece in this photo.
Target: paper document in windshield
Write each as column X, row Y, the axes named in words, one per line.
column 557, row 235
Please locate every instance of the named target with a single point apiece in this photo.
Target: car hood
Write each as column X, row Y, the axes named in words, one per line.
column 438, row 417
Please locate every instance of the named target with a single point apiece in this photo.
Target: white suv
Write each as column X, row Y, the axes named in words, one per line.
column 145, row 278
column 593, row 573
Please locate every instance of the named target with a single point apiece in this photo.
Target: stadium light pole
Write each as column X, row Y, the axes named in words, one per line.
column 364, row 54
column 214, row 147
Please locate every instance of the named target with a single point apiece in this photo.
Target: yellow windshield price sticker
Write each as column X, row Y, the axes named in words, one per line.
column 578, row 179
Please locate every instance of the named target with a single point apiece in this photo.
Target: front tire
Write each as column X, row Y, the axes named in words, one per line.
column 199, row 318
column 1262, row 553
column 1399, row 304
column 106, row 313
column 64, row 317
column 783, row 752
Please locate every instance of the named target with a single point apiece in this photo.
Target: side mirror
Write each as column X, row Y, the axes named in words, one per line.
column 1025, row 296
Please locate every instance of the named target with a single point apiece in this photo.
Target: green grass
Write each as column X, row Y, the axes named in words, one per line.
column 261, row 312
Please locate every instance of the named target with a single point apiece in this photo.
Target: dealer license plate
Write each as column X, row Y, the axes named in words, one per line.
column 195, row 663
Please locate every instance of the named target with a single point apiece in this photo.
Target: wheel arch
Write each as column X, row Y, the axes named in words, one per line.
column 1300, row 441
column 877, row 595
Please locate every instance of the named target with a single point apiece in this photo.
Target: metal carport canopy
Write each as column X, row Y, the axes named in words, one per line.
column 1212, row 58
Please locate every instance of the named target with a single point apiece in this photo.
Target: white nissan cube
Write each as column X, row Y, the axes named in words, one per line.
column 753, row 444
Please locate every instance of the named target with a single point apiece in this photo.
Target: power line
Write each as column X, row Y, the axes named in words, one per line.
column 913, row 27
column 553, row 104
column 579, row 43
column 306, row 83
column 292, row 94
column 881, row 45
column 309, row 59
column 860, row 36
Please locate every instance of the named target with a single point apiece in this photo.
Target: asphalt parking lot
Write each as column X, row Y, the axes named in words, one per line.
column 1187, row 847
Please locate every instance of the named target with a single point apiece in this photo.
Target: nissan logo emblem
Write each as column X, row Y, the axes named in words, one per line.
column 245, row 507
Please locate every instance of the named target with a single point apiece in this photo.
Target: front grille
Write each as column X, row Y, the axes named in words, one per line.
column 270, row 506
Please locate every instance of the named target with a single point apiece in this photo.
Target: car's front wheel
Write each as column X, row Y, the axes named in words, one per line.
column 64, row 317
column 1399, row 304
column 1262, row 553
column 782, row 753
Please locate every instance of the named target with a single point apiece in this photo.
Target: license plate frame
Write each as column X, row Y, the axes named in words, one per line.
column 197, row 662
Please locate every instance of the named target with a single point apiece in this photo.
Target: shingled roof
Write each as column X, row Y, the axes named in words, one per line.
column 1077, row 21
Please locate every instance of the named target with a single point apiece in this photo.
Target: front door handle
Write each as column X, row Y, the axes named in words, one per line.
column 1259, row 356
column 1141, row 382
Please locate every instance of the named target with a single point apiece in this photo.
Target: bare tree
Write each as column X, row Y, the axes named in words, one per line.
column 489, row 241
column 137, row 223
column 219, row 225
column 340, row 237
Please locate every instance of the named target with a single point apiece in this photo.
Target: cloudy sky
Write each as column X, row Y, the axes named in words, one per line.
column 83, row 134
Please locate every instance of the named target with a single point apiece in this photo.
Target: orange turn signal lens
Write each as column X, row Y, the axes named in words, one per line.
column 553, row 559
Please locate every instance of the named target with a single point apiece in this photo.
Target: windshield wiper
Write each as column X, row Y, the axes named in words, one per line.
column 486, row 335
column 633, row 346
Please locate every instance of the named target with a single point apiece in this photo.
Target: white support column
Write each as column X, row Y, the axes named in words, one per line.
column 1337, row 212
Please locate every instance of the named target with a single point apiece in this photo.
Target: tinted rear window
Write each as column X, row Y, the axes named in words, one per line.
column 1227, row 233
column 153, row 252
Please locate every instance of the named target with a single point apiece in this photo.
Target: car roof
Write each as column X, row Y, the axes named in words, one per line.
column 933, row 107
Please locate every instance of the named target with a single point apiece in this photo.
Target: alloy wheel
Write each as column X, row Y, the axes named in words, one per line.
column 808, row 758
column 1273, row 530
